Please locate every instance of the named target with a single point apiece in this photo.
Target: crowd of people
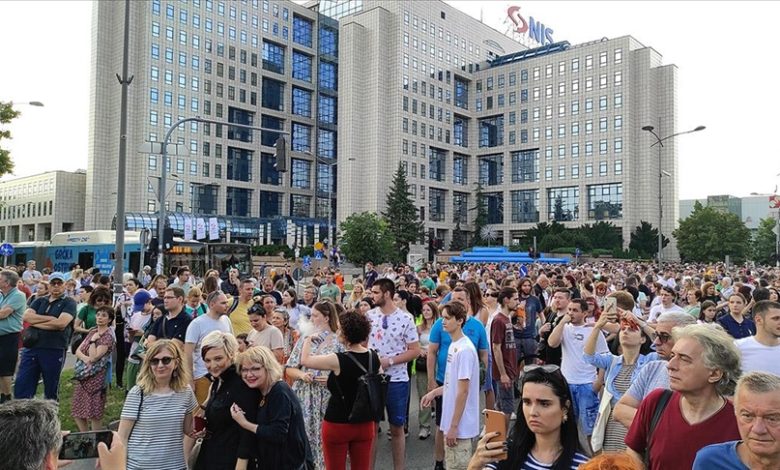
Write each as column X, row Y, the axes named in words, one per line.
column 601, row 365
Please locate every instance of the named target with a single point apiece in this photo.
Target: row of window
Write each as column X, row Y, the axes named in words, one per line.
column 238, row 202
column 430, row 28
column 604, row 201
column 26, row 210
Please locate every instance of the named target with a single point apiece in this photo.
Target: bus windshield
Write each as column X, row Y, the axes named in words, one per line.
column 231, row 255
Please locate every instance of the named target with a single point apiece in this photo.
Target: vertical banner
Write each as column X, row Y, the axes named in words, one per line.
column 187, row 229
column 213, row 228
column 290, row 233
column 316, row 233
column 200, row 229
column 261, row 235
column 268, row 233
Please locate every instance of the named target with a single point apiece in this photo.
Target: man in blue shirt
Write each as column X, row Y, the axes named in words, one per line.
column 51, row 321
column 757, row 406
column 438, row 348
column 12, row 306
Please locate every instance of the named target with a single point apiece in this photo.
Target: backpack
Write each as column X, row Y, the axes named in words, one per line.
column 369, row 404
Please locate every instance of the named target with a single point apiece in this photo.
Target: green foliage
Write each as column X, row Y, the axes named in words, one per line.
column 481, row 218
column 458, row 241
column 763, row 249
column 7, row 114
column 542, row 230
column 708, row 235
column 602, row 235
column 602, row 252
column 644, row 240
column 401, row 216
column 550, row 242
column 625, row 254
column 367, row 237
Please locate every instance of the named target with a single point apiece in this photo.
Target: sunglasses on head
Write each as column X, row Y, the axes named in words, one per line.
column 549, row 368
column 628, row 323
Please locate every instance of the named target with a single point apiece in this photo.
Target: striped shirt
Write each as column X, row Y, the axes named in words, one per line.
column 532, row 464
column 157, row 439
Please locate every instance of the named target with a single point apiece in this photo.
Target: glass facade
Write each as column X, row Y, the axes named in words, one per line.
column 302, row 31
column 491, row 131
column 436, row 204
column 301, row 102
column 239, row 164
column 460, row 169
column 494, row 203
column 460, row 207
column 605, row 201
column 273, row 94
column 563, row 204
column 268, row 174
column 270, row 203
column 436, row 163
column 300, row 205
column 273, row 57
column 302, row 66
column 491, row 170
column 525, row 206
column 525, row 166
column 300, row 173
column 238, row 202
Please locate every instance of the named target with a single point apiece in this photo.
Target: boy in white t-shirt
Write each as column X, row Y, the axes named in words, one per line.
column 460, row 392
column 760, row 352
column 571, row 334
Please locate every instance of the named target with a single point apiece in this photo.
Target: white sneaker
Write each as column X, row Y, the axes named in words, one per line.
column 424, row 433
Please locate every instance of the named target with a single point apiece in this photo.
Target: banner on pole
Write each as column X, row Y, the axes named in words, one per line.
column 200, row 229
column 187, row 229
column 213, row 228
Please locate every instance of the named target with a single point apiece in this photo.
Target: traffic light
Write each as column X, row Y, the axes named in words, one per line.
column 281, row 154
column 167, row 238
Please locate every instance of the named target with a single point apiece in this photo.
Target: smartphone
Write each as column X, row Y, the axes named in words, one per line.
column 495, row 421
column 199, row 423
column 83, row 445
column 610, row 308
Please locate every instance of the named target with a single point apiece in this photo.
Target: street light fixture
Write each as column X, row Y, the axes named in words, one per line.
column 659, row 141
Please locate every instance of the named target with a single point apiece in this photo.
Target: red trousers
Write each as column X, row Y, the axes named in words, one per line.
column 338, row 439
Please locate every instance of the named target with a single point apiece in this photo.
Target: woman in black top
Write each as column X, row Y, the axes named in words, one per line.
column 279, row 437
column 224, row 442
column 340, row 435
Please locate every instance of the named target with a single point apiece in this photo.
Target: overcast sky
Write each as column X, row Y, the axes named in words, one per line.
column 726, row 54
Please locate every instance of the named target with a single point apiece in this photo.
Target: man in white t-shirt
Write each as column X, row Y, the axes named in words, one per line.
column 215, row 319
column 571, row 334
column 668, row 296
column 762, row 351
column 460, row 392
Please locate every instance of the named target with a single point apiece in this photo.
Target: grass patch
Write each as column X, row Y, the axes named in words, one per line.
column 114, row 402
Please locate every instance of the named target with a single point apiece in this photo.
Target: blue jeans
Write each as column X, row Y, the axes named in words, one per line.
column 505, row 397
column 586, row 406
column 37, row 362
column 397, row 398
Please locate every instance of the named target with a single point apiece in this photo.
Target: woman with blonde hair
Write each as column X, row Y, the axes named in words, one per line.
column 358, row 292
column 224, row 440
column 279, row 435
column 158, row 410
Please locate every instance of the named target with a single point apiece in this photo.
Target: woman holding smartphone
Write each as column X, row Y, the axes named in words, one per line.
column 223, row 440
column 158, row 411
column 545, row 432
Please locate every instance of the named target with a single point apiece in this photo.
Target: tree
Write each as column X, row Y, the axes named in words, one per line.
column 708, row 235
column 764, row 242
column 366, row 237
column 7, row 114
column 401, row 215
column 458, row 242
column 644, row 240
column 481, row 219
column 603, row 235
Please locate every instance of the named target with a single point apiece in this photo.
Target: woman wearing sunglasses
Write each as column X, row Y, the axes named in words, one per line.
column 621, row 370
column 158, row 411
column 545, row 433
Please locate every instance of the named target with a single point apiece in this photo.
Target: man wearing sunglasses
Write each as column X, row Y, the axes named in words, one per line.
column 654, row 373
column 51, row 323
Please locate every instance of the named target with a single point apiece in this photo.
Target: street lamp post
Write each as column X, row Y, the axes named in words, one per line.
column 659, row 141
column 161, row 216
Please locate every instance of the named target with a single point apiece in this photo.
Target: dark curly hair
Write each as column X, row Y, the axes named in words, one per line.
column 355, row 327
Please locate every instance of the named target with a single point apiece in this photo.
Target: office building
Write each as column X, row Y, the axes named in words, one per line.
column 750, row 209
column 551, row 131
column 36, row 207
column 259, row 63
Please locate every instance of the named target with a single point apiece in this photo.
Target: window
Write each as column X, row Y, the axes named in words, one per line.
column 273, row 94
column 491, row 131
column 603, row 81
column 328, row 75
column 618, row 56
column 301, row 102
column 300, row 173
column 491, row 170
column 302, row 31
column 588, row 149
column 602, row 103
column 525, row 206
column 603, row 147
column 618, row 100
column 575, row 171
column 603, row 59
column 302, row 64
column 588, row 62
column 460, row 207
column 605, row 201
column 618, row 145
column 436, row 163
column 618, row 78
column 273, row 57
column 327, row 109
column 525, row 166
column 436, row 204
column 563, row 204
column 326, row 144
column 618, row 167
column 602, row 168
column 301, row 138
column 618, row 122
column 460, row 169
column 603, row 125
column 575, row 150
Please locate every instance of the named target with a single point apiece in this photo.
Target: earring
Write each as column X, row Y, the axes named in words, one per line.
column 565, row 418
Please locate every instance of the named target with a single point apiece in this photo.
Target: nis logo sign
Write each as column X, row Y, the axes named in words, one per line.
column 535, row 30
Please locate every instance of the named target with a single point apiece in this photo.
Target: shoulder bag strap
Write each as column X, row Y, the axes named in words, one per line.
column 659, row 410
column 137, row 415
column 349, row 355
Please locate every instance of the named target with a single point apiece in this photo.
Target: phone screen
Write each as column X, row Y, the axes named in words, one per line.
column 83, row 445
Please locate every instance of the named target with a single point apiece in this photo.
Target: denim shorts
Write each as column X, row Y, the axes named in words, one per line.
column 505, row 397
column 397, row 398
column 586, row 406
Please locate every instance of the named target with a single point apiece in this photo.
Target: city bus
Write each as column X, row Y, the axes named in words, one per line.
column 231, row 255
